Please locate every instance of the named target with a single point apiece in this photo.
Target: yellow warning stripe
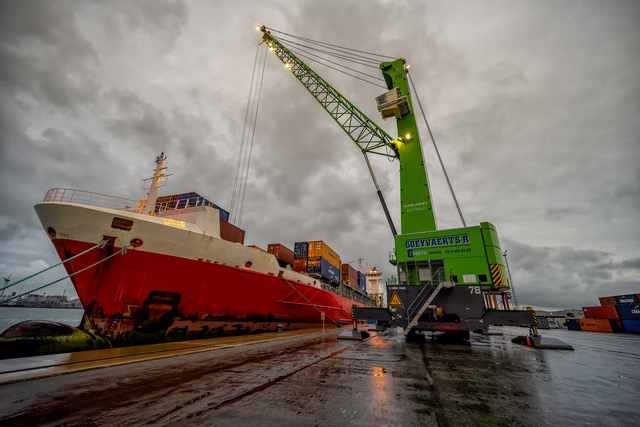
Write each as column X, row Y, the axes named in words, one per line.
column 496, row 274
column 553, row 346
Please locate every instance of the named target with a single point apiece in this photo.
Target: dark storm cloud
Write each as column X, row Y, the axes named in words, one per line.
column 44, row 57
column 542, row 275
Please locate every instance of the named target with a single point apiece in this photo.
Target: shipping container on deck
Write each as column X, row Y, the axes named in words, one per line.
column 319, row 249
column 321, row 267
column 350, row 276
column 607, row 300
column 595, row 325
column 629, row 311
column 301, row 250
column 230, row 232
column 573, row 324
column 281, row 252
column 362, row 282
column 626, row 299
column 300, row 265
column 223, row 213
column 601, row 312
column 631, row 326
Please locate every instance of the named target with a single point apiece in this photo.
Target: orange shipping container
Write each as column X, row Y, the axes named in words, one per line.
column 319, row 249
column 595, row 325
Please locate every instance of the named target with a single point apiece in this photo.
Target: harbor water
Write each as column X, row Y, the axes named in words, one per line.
column 10, row 316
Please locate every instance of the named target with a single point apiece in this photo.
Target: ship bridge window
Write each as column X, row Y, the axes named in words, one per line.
column 121, row 223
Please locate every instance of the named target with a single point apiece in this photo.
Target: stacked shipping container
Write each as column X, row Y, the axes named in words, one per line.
column 350, row 276
column 317, row 258
column 283, row 254
column 362, row 282
column 618, row 313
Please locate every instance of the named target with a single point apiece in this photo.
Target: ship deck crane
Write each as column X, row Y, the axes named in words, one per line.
column 443, row 275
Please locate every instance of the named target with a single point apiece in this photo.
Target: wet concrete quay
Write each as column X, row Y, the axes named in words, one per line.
column 314, row 379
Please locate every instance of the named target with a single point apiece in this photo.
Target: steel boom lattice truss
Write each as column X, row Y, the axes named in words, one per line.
column 367, row 136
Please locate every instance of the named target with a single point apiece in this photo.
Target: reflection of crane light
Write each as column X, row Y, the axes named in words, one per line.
column 381, row 387
column 287, row 65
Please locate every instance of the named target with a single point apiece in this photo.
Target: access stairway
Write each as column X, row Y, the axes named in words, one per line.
column 421, row 304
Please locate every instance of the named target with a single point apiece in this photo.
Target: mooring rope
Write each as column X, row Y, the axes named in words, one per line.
column 101, row 245
column 121, row 251
column 312, row 304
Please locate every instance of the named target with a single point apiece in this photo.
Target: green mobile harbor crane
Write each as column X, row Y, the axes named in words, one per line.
column 445, row 277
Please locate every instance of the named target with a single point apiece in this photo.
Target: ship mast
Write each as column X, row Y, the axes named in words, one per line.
column 158, row 174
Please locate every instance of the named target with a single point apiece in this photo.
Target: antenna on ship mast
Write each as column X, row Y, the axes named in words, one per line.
column 158, row 175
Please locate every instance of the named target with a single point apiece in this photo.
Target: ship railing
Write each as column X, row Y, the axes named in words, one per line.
column 68, row 195
column 169, row 205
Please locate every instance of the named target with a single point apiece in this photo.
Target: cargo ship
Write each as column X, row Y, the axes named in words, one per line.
column 174, row 267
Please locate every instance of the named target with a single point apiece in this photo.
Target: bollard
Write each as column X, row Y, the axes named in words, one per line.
column 279, row 329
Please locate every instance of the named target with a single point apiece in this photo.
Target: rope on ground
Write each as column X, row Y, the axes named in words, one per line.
column 121, row 251
column 312, row 304
column 100, row 245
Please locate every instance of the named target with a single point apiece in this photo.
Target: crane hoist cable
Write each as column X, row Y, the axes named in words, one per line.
column 297, row 52
column 301, row 48
column 444, row 170
column 337, row 47
column 253, row 133
column 369, row 63
column 236, row 180
column 248, row 136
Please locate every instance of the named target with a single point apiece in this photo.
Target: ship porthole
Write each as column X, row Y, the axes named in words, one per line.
column 51, row 231
column 136, row 243
column 248, row 264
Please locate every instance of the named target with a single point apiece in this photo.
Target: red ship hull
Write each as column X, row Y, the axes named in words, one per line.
column 140, row 295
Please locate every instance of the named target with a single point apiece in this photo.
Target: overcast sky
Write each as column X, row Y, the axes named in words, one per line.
column 535, row 106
